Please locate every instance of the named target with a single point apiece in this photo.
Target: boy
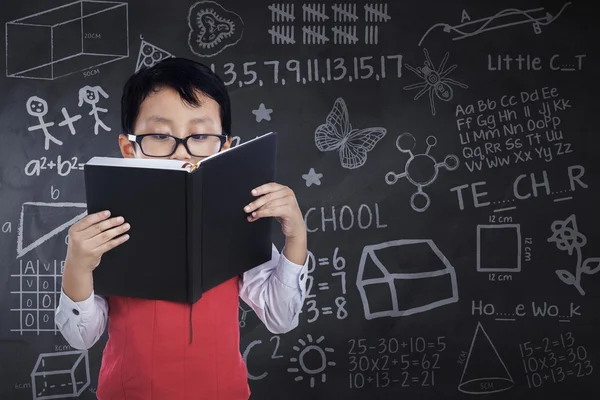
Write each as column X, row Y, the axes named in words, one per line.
column 157, row 350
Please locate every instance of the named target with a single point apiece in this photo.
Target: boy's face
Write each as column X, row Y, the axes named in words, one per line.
column 166, row 113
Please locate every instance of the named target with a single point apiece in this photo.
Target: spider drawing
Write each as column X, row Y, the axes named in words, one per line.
column 435, row 81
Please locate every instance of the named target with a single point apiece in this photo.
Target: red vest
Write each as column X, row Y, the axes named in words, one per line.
column 166, row 351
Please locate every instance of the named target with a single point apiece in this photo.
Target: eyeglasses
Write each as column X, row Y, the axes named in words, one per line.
column 162, row 145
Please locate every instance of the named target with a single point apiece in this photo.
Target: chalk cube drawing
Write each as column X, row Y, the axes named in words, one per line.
column 60, row 375
column 404, row 277
column 499, row 248
column 63, row 40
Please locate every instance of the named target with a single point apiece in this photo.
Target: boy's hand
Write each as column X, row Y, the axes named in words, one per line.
column 278, row 201
column 91, row 237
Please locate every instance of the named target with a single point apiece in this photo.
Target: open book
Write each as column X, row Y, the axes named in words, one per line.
column 189, row 231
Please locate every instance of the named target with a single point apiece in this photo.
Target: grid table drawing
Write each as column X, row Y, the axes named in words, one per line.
column 39, row 290
column 41, row 245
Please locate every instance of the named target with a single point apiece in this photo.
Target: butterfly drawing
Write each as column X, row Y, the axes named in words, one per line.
column 337, row 133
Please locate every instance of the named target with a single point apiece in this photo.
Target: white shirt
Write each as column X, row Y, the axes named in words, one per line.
column 275, row 291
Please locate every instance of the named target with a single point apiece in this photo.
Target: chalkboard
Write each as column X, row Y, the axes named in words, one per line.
column 442, row 152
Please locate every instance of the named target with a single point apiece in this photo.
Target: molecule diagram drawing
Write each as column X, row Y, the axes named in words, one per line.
column 421, row 169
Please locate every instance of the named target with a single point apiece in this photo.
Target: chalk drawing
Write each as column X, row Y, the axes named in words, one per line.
column 282, row 12
column 282, row 34
column 337, row 134
column 317, row 16
column 150, row 55
column 376, row 12
column 317, row 34
column 39, row 287
column 262, row 113
column 345, row 12
column 212, row 28
column 499, row 248
column 316, row 353
column 244, row 310
column 420, row 169
column 380, row 274
column 235, row 141
column 91, row 96
column 38, row 107
column 567, row 237
column 435, row 81
column 494, row 22
column 484, row 371
column 67, row 39
column 60, row 375
column 314, row 12
column 36, row 210
column 312, row 178
column 68, row 120
column 345, row 34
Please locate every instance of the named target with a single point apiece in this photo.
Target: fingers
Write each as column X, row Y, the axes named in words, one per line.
column 275, row 211
column 267, row 196
column 112, row 244
column 89, row 220
column 106, row 236
column 267, row 188
column 275, row 208
column 101, row 227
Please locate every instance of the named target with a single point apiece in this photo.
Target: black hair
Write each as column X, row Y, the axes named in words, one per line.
column 185, row 76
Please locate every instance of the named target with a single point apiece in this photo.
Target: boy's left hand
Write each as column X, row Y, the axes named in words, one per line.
column 277, row 201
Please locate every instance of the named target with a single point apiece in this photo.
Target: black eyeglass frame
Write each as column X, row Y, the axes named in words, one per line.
column 138, row 139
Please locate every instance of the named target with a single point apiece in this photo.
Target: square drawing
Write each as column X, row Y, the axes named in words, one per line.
column 499, row 248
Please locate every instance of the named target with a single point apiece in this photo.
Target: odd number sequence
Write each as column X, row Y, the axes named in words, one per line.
column 311, row 70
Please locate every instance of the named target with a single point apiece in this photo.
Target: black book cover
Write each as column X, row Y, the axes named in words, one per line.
column 189, row 232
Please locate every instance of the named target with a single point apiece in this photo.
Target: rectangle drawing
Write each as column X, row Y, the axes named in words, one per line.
column 67, row 39
column 499, row 248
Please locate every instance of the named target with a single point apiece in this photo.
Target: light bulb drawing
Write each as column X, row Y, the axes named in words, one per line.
column 421, row 169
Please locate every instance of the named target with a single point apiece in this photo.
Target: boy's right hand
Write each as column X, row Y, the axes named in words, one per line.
column 91, row 237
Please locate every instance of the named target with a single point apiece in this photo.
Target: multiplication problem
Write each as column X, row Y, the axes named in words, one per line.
column 407, row 362
column 554, row 360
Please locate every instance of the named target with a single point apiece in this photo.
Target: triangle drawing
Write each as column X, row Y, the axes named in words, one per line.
column 150, row 55
column 484, row 371
column 41, row 221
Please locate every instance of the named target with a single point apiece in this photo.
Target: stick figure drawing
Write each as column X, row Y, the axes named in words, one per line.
column 91, row 95
column 38, row 107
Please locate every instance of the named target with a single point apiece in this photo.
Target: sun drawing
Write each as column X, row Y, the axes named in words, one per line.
column 312, row 359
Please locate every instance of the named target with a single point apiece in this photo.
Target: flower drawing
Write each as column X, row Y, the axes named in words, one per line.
column 567, row 237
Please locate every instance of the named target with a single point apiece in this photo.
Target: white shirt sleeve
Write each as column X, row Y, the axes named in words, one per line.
column 276, row 291
column 81, row 323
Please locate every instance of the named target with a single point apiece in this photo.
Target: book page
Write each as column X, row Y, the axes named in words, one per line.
column 138, row 163
column 159, row 163
column 233, row 148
